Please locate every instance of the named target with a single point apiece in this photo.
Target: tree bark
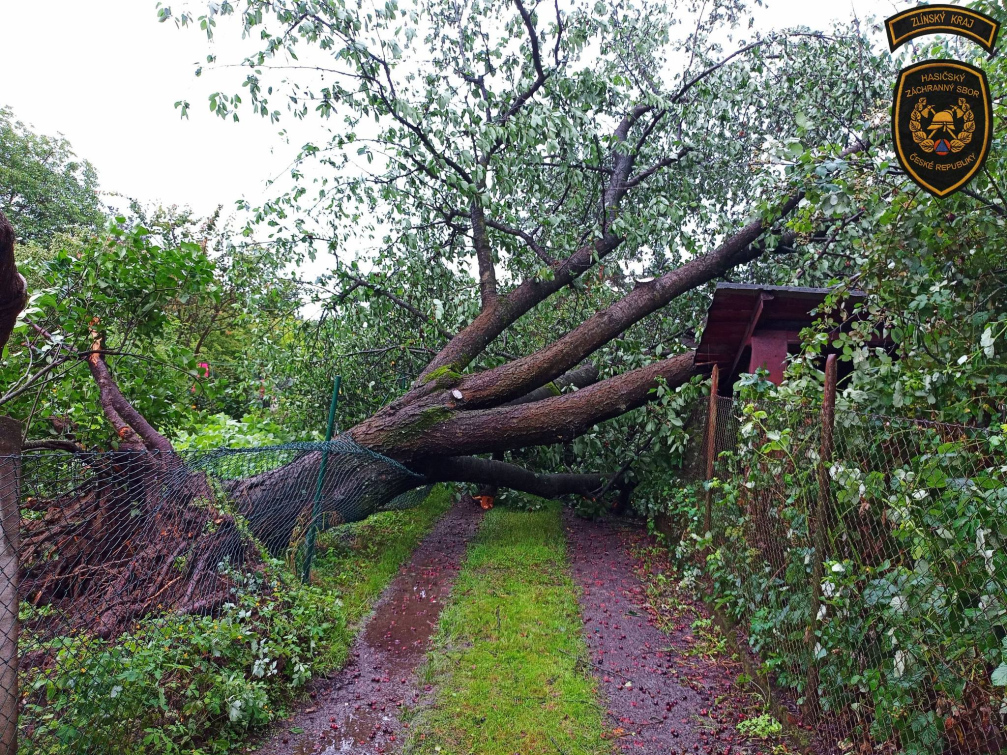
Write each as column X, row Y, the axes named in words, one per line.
column 501, row 474
column 13, row 288
column 580, row 377
column 427, row 429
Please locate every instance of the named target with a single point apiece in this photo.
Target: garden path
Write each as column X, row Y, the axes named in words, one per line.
column 667, row 679
column 357, row 709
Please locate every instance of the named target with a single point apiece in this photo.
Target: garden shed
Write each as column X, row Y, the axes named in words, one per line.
column 751, row 325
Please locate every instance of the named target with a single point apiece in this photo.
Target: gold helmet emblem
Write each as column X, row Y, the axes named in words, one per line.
column 943, row 126
column 943, row 120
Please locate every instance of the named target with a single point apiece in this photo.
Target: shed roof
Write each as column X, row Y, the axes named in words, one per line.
column 739, row 310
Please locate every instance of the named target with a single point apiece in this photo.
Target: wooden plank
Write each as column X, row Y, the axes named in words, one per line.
column 711, row 441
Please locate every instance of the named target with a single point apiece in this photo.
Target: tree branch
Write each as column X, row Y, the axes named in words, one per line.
column 623, row 160
column 484, row 256
column 53, row 445
column 504, row 475
column 418, row 314
column 536, row 57
column 581, row 377
column 126, row 420
column 664, row 162
column 524, row 236
column 463, row 431
column 990, row 205
column 677, row 97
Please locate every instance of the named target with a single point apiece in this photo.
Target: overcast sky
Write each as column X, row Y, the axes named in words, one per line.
column 106, row 74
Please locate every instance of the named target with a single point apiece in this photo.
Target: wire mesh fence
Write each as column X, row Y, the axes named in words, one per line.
column 138, row 574
column 867, row 569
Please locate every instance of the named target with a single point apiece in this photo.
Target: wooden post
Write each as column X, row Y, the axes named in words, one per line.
column 819, row 527
column 711, row 442
column 10, row 525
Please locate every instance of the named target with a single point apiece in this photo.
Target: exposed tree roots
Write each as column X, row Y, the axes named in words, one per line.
column 138, row 535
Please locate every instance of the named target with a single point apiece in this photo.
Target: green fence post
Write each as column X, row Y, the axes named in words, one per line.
column 316, row 506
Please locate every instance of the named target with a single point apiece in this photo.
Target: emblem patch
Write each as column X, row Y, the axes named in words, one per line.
column 942, row 19
column 942, row 123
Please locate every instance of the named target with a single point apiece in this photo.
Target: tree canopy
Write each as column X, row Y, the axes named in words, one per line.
column 46, row 189
column 520, row 211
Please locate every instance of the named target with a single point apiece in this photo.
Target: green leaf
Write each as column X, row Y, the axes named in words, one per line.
column 999, row 677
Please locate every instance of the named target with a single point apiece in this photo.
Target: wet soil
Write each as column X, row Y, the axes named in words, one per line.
column 664, row 693
column 357, row 709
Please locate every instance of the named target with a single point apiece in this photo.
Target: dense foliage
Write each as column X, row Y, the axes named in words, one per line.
column 873, row 586
column 451, row 134
column 160, row 294
column 47, row 190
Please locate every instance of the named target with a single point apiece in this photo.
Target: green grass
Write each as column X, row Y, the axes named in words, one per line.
column 504, row 660
column 357, row 561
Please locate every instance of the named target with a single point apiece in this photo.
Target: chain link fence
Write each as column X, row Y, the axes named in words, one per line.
column 130, row 577
column 864, row 559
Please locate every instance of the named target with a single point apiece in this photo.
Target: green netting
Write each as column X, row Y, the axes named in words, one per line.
column 119, row 549
column 871, row 581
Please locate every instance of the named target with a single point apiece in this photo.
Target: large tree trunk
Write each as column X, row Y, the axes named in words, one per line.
column 501, row 474
column 13, row 289
column 442, row 424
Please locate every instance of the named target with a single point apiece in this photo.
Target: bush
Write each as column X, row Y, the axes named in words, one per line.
column 904, row 639
column 222, row 431
column 191, row 684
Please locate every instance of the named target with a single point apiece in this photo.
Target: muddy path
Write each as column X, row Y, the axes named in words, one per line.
column 357, row 709
column 663, row 691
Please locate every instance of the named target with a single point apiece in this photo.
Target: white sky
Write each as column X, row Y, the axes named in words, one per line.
column 106, row 74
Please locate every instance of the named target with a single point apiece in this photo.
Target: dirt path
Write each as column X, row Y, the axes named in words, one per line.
column 357, row 709
column 663, row 694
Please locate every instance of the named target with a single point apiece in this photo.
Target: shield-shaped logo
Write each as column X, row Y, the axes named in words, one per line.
column 942, row 122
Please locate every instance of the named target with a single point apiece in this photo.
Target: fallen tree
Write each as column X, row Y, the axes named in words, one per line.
column 549, row 196
column 593, row 196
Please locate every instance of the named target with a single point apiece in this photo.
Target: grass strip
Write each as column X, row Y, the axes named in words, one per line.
column 504, row 658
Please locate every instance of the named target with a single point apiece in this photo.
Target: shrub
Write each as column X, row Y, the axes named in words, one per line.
column 191, row 684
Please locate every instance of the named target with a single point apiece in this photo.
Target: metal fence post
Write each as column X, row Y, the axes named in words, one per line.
column 316, row 506
column 711, row 443
column 819, row 526
column 10, row 525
